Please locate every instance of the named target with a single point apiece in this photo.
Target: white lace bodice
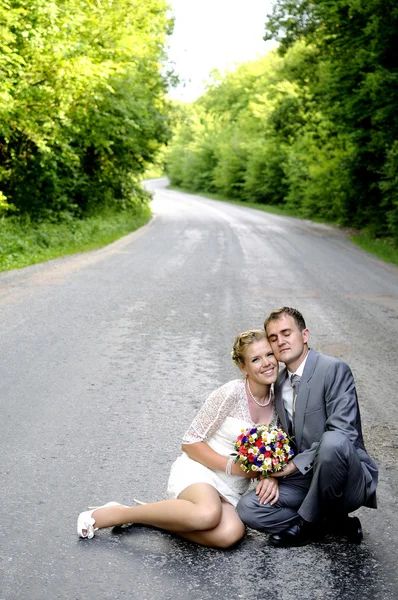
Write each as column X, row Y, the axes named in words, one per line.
column 218, row 423
column 227, row 401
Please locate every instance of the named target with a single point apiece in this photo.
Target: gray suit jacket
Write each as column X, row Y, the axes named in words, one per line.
column 327, row 400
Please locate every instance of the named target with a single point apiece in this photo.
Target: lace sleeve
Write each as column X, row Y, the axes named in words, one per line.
column 212, row 414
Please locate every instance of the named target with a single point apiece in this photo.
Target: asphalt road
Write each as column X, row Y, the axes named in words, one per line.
column 106, row 357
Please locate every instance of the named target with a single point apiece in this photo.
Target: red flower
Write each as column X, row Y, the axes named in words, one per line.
column 250, row 457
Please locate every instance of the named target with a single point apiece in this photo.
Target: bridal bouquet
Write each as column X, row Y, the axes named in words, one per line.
column 262, row 448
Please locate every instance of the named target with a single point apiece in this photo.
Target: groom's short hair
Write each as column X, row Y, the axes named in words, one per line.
column 291, row 312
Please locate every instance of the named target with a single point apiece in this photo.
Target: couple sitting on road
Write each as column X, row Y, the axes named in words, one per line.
column 314, row 400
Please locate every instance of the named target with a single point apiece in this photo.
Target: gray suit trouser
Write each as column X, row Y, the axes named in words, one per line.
column 336, row 487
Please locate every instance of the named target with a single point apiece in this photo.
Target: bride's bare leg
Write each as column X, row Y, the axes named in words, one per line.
column 228, row 532
column 197, row 508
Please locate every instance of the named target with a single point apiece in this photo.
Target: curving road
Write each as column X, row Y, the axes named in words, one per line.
column 105, row 358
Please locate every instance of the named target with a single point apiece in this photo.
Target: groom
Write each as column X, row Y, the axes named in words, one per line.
column 331, row 473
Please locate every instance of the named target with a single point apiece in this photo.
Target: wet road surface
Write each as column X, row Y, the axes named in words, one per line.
column 106, row 357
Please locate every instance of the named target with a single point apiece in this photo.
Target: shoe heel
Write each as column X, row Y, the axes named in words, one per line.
column 85, row 521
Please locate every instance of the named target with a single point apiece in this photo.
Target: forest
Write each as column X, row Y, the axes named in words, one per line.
column 83, row 112
column 312, row 126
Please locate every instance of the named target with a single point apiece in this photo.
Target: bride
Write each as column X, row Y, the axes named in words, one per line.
column 205, row 484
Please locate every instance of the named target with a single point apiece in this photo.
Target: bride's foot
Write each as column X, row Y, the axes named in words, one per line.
column 85, row 521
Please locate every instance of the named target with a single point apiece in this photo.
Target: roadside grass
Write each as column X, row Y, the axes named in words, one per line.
column 24, row 243
column 383, row 248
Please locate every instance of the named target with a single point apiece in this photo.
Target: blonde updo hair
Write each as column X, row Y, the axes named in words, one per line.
column 242, row 341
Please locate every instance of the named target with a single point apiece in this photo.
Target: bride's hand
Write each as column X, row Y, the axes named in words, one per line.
column 267, row 491
column 236, row 470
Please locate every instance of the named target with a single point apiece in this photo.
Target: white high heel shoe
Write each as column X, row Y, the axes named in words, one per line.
column 85, row 522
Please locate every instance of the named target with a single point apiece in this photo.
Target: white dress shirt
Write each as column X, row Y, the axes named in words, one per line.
column 287, row 390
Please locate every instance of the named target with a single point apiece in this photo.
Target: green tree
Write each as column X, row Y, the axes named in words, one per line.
column 313, row 126
column 357, row 43
column 82, row 101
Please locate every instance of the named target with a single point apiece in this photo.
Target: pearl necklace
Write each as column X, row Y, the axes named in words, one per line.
column 254, row 399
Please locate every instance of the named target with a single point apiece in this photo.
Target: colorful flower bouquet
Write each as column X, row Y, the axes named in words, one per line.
column 262, row 448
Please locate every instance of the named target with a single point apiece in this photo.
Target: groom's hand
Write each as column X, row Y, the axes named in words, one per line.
column 286, row 471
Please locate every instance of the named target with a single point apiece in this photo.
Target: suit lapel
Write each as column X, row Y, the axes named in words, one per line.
column 279, row 404
column 302, row 396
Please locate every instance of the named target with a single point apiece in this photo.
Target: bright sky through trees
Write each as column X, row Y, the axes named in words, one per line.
column 214, row 34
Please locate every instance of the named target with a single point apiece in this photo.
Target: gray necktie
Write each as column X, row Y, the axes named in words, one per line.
column 295, row 381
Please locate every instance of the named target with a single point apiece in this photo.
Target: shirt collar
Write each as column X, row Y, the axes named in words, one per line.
column 300, row 368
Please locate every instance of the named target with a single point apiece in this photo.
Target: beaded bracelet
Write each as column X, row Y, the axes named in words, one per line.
column 228, row 468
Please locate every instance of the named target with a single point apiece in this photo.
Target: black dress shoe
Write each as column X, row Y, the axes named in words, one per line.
column 299, row 533
column 354, row 530
column 345, row 526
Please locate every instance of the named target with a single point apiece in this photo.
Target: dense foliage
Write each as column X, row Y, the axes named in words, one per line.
column 82, row 103
column 312, row 126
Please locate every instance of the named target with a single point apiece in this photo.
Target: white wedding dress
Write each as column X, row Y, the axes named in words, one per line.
column 219, row 422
